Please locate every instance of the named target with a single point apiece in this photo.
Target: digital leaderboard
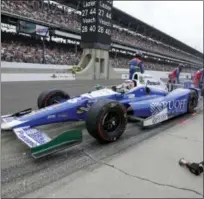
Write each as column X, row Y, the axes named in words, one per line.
column 96, row 24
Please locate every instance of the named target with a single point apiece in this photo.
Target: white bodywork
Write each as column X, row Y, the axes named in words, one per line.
column 148, row 80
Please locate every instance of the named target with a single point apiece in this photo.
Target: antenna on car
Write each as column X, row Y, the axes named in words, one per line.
column 146, row 84
column 147, row 88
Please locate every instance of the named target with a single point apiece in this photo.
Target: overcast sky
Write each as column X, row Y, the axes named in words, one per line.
column 182, row 20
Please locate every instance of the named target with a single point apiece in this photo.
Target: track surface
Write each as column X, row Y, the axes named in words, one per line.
column 21, row 174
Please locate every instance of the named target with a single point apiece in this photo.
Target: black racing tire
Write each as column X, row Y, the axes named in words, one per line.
column 99, row 113
column 202, row 89
column 192, row 101
column 202, row 92
column 46, row 98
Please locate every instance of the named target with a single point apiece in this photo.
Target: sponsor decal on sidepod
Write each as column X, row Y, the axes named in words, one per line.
column 174, row 106
column 161, row 110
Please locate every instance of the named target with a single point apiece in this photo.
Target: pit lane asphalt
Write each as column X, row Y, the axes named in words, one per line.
column 21, row 174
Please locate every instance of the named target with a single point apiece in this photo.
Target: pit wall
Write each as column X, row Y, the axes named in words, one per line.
column 11, row 71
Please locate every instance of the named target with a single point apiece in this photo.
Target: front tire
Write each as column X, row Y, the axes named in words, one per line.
column 106, row 120
column 51, row 97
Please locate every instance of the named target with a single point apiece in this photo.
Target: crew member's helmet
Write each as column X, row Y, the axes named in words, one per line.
column 181, row 65
column 139, row 55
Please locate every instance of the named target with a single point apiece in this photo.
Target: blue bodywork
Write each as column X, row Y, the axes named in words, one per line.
column 143, row 104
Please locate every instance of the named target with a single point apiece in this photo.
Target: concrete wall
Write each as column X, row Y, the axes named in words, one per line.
column 15, row 71
column 159, row 74
column 95, row 63
column 35, row 77
column 11, row 71
column 33, row 66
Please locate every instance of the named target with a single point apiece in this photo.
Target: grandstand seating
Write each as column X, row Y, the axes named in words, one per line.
column 19, row 48
column 69, row 19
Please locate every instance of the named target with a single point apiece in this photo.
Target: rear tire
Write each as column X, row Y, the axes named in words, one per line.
column 51, row 97
column 106, row 120
column 192, row 101
column 202, row 92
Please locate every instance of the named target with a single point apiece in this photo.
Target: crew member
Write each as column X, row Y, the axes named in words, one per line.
column 175, row 74
column 198, row 78
column 134, row 63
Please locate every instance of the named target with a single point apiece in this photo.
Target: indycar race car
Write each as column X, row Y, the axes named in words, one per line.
column 105, row 112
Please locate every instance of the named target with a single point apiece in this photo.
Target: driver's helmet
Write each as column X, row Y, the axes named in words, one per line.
column 129, row 84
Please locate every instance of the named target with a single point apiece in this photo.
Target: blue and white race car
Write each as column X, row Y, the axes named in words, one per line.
column 105, row 111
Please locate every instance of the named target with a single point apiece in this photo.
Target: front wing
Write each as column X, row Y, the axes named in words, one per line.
column 39, row 142
column 41, row 145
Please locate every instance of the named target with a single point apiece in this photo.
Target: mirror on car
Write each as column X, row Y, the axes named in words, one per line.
column 98, row 87
column 147, row 90
column 114, row 88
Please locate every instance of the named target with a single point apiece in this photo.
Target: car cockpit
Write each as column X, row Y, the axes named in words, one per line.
column 126, row 86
